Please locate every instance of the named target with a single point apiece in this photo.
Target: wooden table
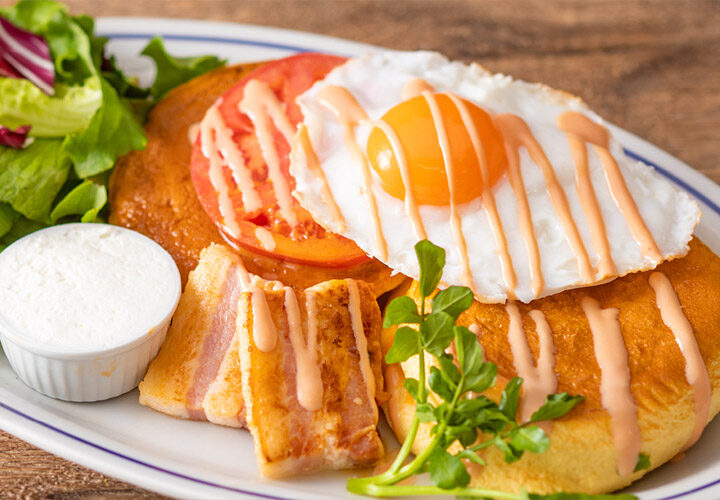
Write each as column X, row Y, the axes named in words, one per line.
column 650, row 67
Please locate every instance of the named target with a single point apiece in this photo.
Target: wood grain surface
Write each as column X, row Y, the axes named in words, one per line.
column 651, row 67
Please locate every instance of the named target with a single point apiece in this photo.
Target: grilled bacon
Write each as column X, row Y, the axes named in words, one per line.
column 290, row 439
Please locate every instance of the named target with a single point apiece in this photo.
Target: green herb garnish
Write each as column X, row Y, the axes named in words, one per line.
column 465, row 421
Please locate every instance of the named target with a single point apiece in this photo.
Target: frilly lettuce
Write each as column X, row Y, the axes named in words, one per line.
column 69, row 110
column 94, row 116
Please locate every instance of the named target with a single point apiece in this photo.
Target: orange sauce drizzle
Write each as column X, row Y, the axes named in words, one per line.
column 222, row 141
column 212, row 128
column 414, row 87
column 410, row 204
column 612, row 358
column 263, row 108
column 349, row 113
column 355, row 310
column 313, row 163
column 455, row 222
column 577, row 124
column 488, row 199
column 537, row 281
column 193, row 132
column 588, row 199
column 516, row 134
column 538, row 381
column 695, row 370
column 307, row 373
column 265, row 238
column 264, row 332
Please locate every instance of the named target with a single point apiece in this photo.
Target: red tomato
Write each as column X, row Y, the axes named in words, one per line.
column 307, row 242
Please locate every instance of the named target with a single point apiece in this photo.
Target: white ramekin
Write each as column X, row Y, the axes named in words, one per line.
column 86, row 375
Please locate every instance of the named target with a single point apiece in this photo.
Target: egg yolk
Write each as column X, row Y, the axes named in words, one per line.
column 417, row 133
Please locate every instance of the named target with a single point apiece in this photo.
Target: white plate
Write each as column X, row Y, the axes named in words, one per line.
column 199, row 460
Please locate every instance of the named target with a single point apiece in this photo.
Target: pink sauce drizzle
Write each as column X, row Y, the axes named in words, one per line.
column 695, row 370
column 264, row 331
column 313, row 163
column 212, row 128
column 597, row 135
column 265, row 238
column 308, row 380
column 588, row 199
column 193, row 132
column 355, row 310
column 263, row 107
column 540, row 381
column 488, row 199
column 349, row 113
column 411, row 208
column 223, row 141
column 537, row 281
column 516, row 133
column 612, row 358
column 414, row 87
column 444, row 142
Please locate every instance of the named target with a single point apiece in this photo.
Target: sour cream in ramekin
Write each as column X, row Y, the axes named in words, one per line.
column 84, row 308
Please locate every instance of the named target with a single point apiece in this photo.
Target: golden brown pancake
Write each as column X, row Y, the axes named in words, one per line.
column 582, row 454
column 151, row 191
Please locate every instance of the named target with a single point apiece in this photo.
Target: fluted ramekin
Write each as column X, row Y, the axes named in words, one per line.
column 88, row 375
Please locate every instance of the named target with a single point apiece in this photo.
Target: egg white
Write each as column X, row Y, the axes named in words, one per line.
column 377, row 80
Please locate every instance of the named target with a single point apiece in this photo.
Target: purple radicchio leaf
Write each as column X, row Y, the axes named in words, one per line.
column 17, row 138
column 25, row 55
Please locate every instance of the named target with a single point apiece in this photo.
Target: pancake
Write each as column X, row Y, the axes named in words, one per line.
column 151, row 191
column 583, row 455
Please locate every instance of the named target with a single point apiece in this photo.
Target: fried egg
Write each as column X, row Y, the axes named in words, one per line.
column 521, row 184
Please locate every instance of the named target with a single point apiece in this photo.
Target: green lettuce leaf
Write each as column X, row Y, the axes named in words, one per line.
column 7, row 218
column 173, row 71
column 95, row 116
column 85, row 200
column 77, row 88
column 112, row 132
column 31, row 178
column 21, row 227
column 69, row 44
column 70, row 110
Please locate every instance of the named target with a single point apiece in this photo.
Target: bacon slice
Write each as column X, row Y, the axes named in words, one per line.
column 342, row 434
column 197, row 373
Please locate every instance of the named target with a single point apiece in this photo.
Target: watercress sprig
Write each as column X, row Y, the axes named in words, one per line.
column 464, row 421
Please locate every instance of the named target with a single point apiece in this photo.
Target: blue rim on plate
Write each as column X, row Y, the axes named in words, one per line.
column 712, row 205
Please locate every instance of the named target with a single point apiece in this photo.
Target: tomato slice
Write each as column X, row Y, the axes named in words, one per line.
column 306, row 242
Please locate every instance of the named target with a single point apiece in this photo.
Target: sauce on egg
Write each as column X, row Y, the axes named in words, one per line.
column 444, row 142
column 347, row 110
column 441, row 150
column 579, row 126
column 517, row 134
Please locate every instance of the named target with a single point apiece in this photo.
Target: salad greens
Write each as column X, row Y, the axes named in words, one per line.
column 93, row 116
column 463, row 420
